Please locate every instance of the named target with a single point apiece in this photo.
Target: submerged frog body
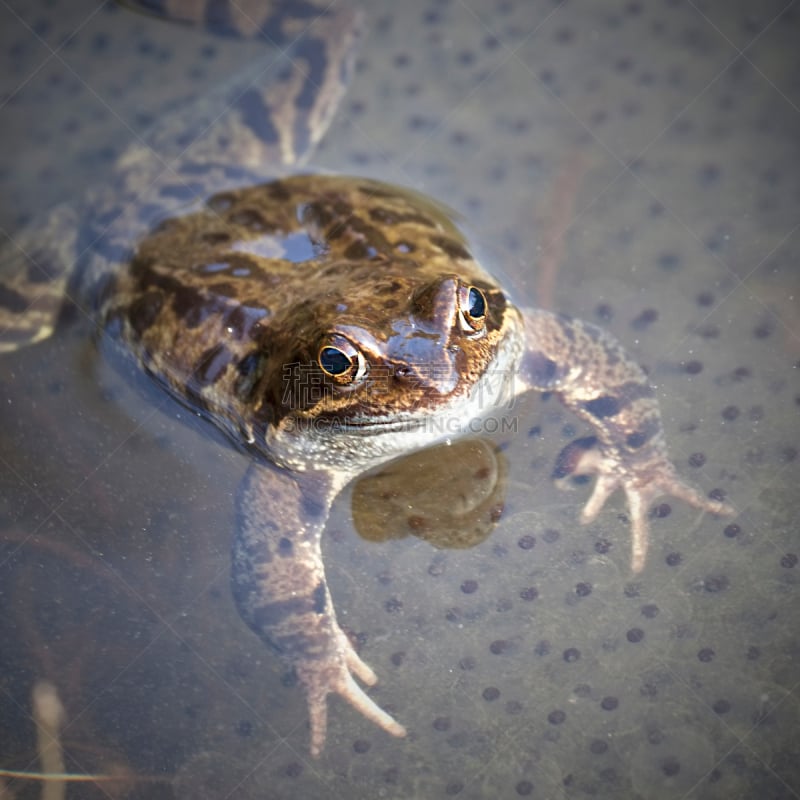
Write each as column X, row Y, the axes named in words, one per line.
column 323, row 322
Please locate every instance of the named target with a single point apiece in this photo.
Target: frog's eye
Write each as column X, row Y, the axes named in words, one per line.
column 472, row 309
column 342, row 361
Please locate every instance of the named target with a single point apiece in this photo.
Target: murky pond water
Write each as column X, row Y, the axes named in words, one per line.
column 661, row 139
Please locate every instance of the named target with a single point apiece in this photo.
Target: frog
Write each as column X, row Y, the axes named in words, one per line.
column 323, row 322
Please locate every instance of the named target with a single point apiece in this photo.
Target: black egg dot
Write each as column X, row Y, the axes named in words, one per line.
column 721, row 706
column 635, row 635
column 397, row 658
column 789, row 561
column 436, row 569
column 661, row 510
column 542, row 648
column 294, row 769
column 650, row 610
column 490, row 694
column 645, row 319
column 716, row 583
column 717, row 494
column 669, row 261
column 583, row 589
column 673, row 559
column 732, row 531
column 693, row 367
column 564, row 35
column 730, row 413
column 498, row 173
column 602, row 546
column 708, row 174
column 697, row 459
column 707, row 331
column 469, row 587
column 513, row 707
column 531, row 593
column 598, row 747
column 609, row 775
column 384, row 577
column 391, row 775
column 393, row 605
column 441, row 724
column 466, row 58
column 524, row 788
column 788, row 454
column 670, row 766
column 361, row 745
column 705, row 299
column 556, row 717
column 604, row 312
column 609, row 703
column 499, row 646
column 526, row 542
column 547, row 77
column 453, row 614
column 762, row 331
column 655, row 736
column 571, row 654
column 705, row 655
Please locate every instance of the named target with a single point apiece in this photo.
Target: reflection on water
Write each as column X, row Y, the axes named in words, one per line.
column 532, row 664
column 450, row 495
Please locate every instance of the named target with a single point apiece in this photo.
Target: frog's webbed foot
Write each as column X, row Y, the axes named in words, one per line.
column 642, row 483
column 334, row 675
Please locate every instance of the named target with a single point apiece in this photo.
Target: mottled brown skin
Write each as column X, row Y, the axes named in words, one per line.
column 231, row 305
column 323, row 323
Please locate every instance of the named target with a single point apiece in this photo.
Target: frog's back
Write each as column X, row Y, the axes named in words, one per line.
column 260, row 124
column 219, row 302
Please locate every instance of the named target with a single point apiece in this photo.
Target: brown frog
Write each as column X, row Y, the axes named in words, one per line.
column 324, row 322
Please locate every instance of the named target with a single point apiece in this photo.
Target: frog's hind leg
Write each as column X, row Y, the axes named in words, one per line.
column 281, row 592
column 275, row 113
column 34, row 268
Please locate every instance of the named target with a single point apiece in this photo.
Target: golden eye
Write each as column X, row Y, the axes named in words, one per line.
column 472, row 309
column 342, row 361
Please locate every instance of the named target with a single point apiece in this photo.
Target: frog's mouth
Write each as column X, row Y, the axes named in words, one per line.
column 392, row 424
column 437, row 424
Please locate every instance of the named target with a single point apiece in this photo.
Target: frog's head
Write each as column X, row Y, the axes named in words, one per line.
column 394, row 350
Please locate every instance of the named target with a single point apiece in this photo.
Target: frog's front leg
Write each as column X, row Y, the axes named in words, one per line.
column 281, row 593
column 594, row 377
